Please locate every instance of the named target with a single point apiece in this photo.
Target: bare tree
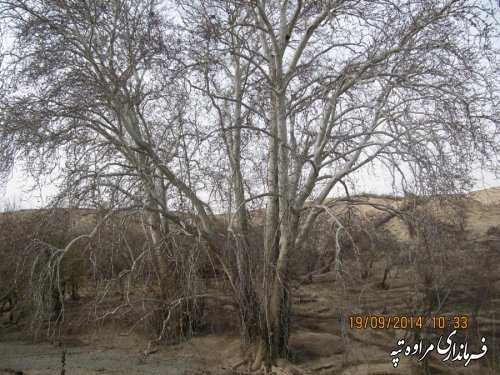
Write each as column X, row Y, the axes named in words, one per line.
column 242, row 103
column 318, row 90
column 82, row 92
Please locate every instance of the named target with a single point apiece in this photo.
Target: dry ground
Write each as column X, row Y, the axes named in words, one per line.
column 320, row 342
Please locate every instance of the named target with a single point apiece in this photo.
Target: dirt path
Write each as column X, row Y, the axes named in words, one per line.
column 45, row 359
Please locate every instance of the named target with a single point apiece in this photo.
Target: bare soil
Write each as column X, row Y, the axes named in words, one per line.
column 321, row 342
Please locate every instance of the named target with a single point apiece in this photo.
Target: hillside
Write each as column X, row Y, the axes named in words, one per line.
column 444, row 263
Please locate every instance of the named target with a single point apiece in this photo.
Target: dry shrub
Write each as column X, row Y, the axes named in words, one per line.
column 111, row 276
column 23, row 235
column 359, row 239
column 450, row 274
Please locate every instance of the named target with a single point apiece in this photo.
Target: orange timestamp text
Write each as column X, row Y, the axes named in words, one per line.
column 407, row 322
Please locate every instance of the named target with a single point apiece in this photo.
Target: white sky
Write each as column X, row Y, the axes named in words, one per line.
column 22, row 193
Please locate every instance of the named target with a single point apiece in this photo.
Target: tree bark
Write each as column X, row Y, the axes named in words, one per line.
column 269, row 329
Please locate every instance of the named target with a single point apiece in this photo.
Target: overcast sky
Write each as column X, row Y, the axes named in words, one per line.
column 23, row 193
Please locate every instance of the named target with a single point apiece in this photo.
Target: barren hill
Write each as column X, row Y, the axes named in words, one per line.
column 435, row 264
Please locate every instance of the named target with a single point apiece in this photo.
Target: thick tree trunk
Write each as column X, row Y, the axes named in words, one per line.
column 267, row 335
column 265, row 317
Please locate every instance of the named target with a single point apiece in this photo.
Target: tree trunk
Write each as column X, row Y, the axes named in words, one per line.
column 268, row 333
column 168, row 320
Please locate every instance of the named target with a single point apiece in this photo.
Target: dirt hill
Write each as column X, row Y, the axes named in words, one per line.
column 433, row 268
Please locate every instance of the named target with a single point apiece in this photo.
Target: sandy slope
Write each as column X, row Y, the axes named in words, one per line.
column 319, row 343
